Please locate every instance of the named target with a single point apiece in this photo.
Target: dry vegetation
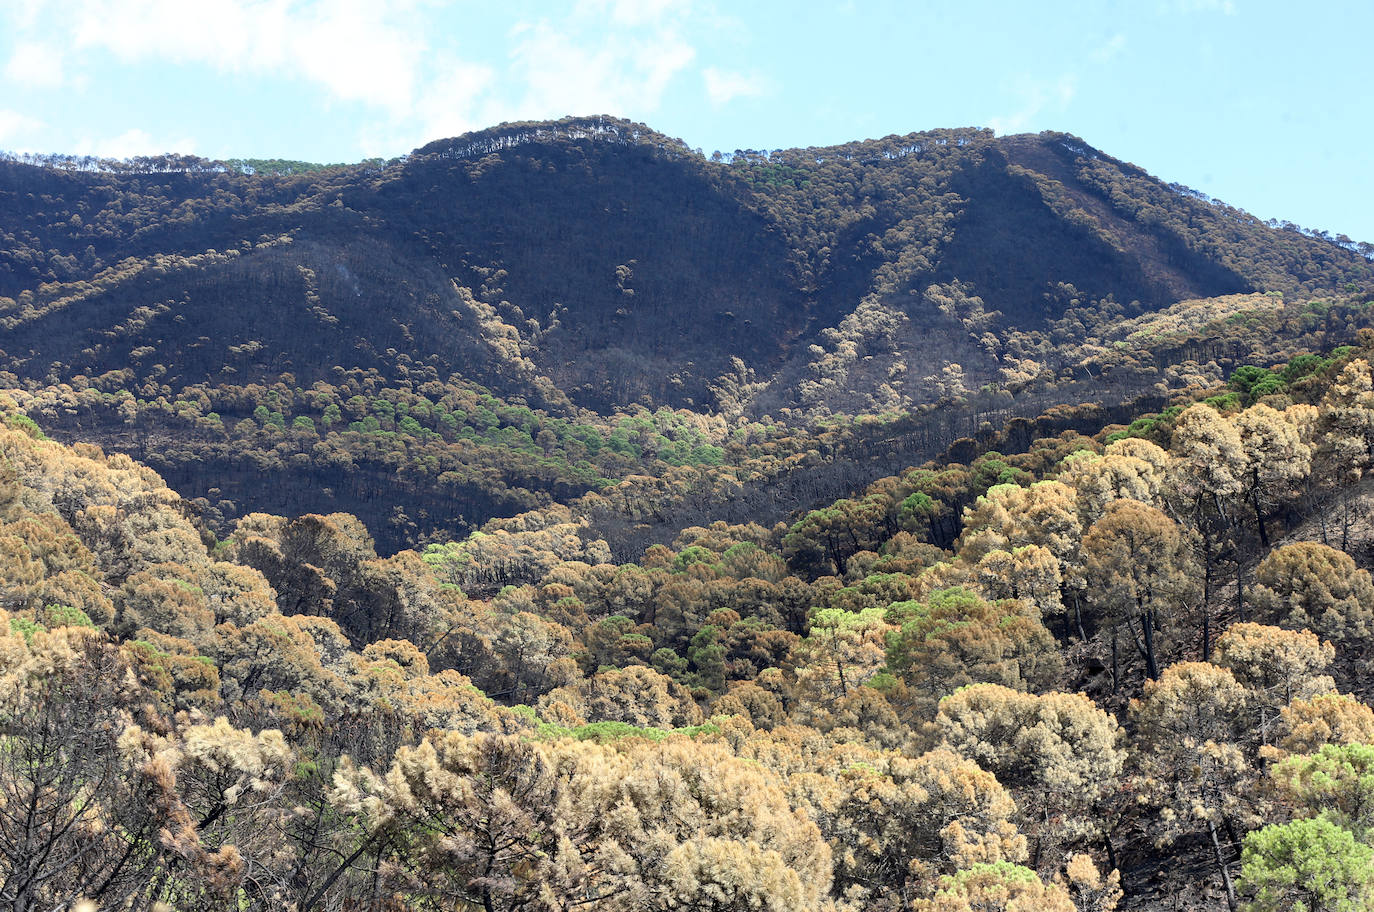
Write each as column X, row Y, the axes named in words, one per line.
column 1012, row 555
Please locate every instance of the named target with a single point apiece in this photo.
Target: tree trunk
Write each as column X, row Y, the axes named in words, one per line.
column 1223, row 867
column 335, row 875
column 1147, row 627
column 1259, row 518
column 1116, row 664
column 1240, row 586
column 1345, row 520
column 1206, row 636
column 1207, row 601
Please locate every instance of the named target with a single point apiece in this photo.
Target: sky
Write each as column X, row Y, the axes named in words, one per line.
column 1265, row 105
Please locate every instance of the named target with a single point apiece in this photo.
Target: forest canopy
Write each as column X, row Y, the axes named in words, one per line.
column 556, row 518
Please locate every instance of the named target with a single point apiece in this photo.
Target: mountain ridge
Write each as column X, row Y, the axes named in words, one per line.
column 589, row 270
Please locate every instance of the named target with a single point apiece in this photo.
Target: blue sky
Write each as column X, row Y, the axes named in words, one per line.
column 1265, row 105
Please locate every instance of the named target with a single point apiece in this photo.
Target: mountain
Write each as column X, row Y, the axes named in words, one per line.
column 939, row 523
column 227, row 320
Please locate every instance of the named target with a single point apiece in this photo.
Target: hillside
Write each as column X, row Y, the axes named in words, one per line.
column 398, row 336
column 988, row 681
column 557, row 518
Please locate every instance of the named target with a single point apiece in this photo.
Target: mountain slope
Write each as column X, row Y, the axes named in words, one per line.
column 173, row 306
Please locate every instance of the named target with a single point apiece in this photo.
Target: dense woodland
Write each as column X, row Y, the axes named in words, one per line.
column 561, row 519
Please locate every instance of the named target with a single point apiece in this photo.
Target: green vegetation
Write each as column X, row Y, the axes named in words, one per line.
column 989, row 664
column 425, row 324
column 937, row 523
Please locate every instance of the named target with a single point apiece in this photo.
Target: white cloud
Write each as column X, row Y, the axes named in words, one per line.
column 1228, row 7
column 357, row 51
column 14, row 126
column 421, row 82
column 238, row 34
column 1037, row 97
column 567, row 71
column 130, row 143
column 1109, row 48
column 604, row 55
column 634, row 13
column 455, row 101
column 23, row 13
column 359, row 56
column 724, row 86
column 35, row 66
column 601, row 57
